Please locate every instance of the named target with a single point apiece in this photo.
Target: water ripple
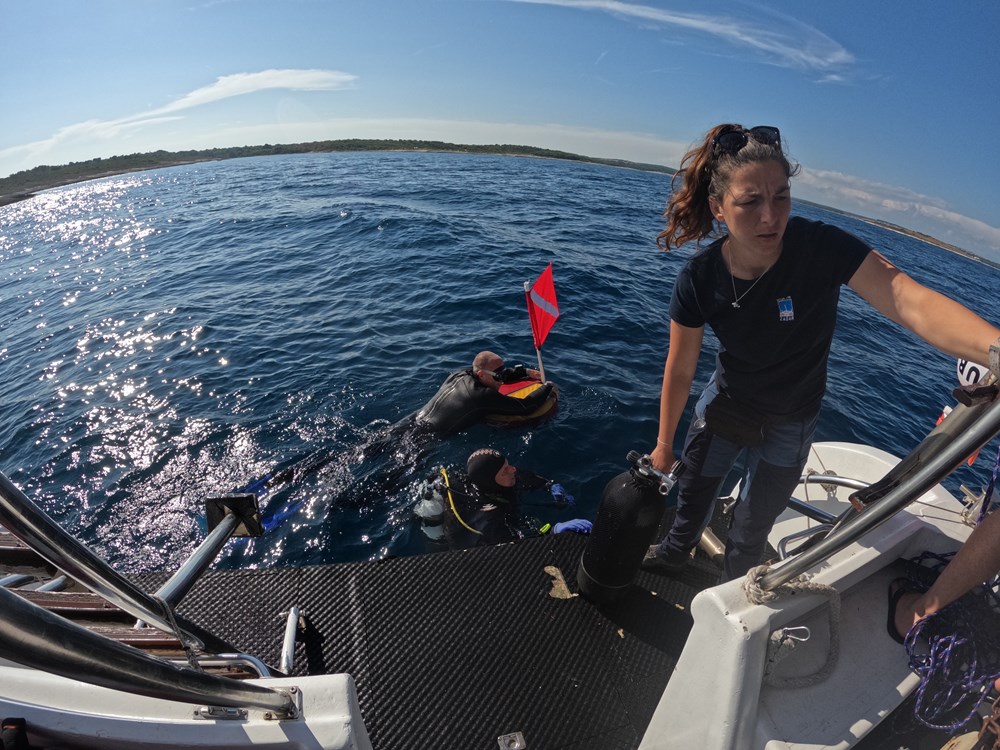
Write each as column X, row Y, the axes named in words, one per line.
column 174, row 334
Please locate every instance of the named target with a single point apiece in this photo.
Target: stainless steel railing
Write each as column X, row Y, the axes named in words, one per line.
column 964, row 431
column 33, row 636
column 35, row 528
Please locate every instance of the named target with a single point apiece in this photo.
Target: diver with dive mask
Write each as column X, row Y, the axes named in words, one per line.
column 511, row 374
column 473, row 395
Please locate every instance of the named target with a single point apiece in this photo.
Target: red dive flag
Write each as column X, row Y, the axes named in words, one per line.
column 543, row 310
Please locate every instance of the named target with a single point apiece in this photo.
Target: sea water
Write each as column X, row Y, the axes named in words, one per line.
column 172, row 335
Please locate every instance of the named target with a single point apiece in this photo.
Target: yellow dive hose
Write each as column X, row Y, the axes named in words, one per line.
column 451, row 503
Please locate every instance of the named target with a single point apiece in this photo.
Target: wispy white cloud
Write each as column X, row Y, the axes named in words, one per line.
column 898, row 205
column 862, row 191
column 224, row 87
column 239, row 84
column 784, row 41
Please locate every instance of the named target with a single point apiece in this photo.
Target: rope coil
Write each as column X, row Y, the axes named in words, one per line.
column 956, row 654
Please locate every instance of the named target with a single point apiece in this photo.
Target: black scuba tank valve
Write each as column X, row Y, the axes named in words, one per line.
column 644, row 465
column 628, row 518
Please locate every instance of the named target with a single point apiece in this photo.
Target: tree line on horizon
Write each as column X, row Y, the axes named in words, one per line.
column 25, row 183
column 45, row 176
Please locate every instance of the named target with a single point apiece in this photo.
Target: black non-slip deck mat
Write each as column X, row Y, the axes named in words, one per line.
column 455, row 649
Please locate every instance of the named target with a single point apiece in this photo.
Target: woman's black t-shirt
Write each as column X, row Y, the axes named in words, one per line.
column 773, row 348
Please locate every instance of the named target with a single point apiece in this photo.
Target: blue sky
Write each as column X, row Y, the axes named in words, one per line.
column 890, row 106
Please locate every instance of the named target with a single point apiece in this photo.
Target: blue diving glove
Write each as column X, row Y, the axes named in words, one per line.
column 560, row 495
column 579, row 525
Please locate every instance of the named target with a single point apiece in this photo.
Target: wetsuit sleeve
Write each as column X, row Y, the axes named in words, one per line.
column 494, row 526
column 494, row 402
column 455, row 405
column 529, row 480
column 461, row 402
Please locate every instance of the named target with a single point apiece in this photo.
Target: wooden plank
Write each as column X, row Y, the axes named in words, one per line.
column 73, row 604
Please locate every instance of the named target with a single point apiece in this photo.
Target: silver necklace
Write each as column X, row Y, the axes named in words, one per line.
column 737, row 298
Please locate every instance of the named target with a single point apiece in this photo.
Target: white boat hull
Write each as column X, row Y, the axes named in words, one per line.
column 66, row 713
column 720, row 676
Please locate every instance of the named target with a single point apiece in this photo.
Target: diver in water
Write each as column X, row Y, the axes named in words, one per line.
column 394, row 453
column 469, row 396
column 384, row 458
column 484, row 506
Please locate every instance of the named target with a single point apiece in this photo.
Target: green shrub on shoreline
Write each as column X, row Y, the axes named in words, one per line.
column 22, row 185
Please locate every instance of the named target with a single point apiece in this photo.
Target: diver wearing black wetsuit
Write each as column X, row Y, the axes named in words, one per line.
column 469, row 396
column 479, row 511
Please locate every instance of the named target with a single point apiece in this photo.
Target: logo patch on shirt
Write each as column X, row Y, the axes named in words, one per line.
column 786, row 311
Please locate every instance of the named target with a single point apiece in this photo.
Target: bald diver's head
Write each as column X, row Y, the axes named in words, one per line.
column 484, row 366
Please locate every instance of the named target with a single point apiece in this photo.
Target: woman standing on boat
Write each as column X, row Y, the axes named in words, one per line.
column 768, row 287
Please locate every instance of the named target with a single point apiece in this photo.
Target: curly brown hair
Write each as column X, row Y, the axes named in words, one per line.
column 704, row 173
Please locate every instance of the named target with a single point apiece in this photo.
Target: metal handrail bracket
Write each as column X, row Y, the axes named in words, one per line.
column 35, row 528
column 927, row 465
column 33, row 636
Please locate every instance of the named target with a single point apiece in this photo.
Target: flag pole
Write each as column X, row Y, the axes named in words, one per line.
column 538, row 352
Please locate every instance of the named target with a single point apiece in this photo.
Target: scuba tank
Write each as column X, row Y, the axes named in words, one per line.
column 628, row 518
column 431, row 507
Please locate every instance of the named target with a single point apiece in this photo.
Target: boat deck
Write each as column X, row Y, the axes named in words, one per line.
column 501, row 644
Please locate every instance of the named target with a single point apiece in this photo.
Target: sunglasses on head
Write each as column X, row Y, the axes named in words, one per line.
column 733, row 140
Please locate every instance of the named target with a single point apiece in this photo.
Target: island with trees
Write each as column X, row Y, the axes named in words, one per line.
column 22, row 185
